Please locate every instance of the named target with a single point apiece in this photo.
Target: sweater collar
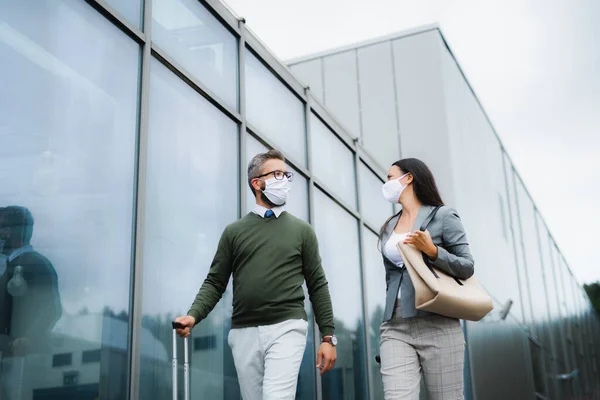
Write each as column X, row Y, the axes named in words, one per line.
column 260, row 210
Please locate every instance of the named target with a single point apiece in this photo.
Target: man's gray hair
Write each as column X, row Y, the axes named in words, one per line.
column 255, row 165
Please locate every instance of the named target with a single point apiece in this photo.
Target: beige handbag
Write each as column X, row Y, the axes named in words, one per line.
column 438, row 292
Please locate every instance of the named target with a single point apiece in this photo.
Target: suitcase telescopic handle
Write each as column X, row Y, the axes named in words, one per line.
column 186, row 363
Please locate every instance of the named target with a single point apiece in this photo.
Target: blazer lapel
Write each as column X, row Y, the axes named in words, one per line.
column 424, row 212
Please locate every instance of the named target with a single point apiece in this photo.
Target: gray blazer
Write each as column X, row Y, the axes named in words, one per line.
column 454, row 257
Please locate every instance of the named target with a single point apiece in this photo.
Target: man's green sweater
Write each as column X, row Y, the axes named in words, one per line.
column 269, row 258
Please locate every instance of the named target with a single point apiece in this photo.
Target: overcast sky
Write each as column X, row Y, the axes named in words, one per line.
column 535, row 66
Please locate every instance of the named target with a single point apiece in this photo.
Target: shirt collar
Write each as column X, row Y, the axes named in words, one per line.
column 19, row 252
column 260, row 210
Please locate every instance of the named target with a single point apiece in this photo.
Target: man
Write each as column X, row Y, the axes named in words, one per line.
column 270, row 254
column 30, row 304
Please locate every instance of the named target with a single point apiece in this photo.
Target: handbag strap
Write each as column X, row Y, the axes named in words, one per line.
column 429, row 219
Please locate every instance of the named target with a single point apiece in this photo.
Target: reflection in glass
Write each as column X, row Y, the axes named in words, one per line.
column 332, row 161
column 297, row 204
column 519, row 256
column 201, row 44
column 534, row 268
column 192, row 194
column 375, row 297
column 374, row 207
column 337, row 232
column 30, row 302
column 67, row 134
column 274, row 110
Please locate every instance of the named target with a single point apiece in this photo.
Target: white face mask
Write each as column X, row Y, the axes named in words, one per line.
column 393, row 189
column 277, row 191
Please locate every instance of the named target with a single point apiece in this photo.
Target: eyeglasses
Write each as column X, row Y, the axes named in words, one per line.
column 279, row 175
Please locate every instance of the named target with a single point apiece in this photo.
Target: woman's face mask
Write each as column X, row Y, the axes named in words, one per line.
column 392, row 190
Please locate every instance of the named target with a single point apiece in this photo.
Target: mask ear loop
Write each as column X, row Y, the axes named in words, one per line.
column 403, row 177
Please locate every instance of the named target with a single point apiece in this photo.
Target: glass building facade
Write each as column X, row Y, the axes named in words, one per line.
column 125, row 130
column 405, row 95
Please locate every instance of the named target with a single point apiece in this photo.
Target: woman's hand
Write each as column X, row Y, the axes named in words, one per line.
column 422, row 241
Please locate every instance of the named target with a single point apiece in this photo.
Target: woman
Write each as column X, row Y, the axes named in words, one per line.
column 414, row 341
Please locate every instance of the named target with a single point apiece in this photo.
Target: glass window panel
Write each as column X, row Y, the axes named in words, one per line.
column 192, row 194
column 130, row 9
column 547, row 262
column 556, row 318
column 375, row 209
column 378, row 102
column 375, row 294
column 524, row 313
column 537, row 366
column 297, row 204
column 337, row 232
column 532, row 261
column 311, row 74
column 332, row 161
column 567, row 311
column 341, row 89
column 562, row 327
column 200, row 43
column 274, row 110
column 468, row 128
column 67, row 155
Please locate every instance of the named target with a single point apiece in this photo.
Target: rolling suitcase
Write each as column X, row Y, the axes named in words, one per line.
column 186, row 364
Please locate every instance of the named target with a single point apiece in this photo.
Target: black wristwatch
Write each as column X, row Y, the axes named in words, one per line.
column 332, row 340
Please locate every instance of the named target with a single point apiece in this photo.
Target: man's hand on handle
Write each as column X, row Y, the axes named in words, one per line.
column 326, row 357
column 185, row 325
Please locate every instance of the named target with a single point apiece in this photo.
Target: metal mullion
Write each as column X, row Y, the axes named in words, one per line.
column 396, row 101
column 361, row 128
column 116, row 18
column 372, row 166
column 195, row 83
column 264, row 140
column 524, row 260
column 218, row 9
column 567, row 318
column 577, row 339
column 363, row 278
column 556, row 271
column 311, row 217
column 243, row 142
column 135, row 320
column 549, row 310
column 370, row 227
column 513, row 223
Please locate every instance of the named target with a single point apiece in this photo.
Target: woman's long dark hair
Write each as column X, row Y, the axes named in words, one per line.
column 423, row 182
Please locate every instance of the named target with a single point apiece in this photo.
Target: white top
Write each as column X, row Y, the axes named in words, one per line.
column 260, row 210
column 391, row 251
